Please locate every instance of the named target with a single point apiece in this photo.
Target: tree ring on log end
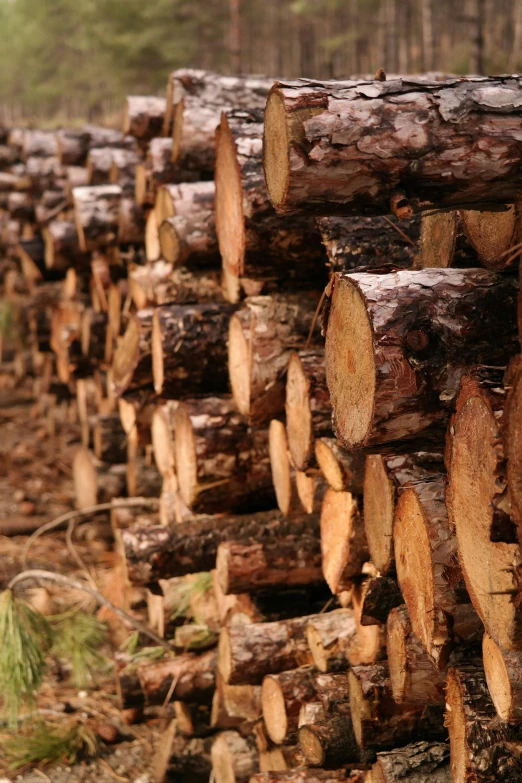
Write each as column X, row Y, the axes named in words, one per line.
column 239, row 365
column 276, row 150
column 298, row 413
column 513, row 441
column 274, row 709
column 158, row 374
column 140, row 184
column 437, row 240
column 487, row 567
column 329, row 464
column 379, row 504
column 311, row 746
column 414, row 566
column 316, row 646
column 350, row 363
column 280, row 464
column 358, row 707
column 497, row 678
column 224, row 655
column 491, row 234
column 337, row 513
column 397, row 656
column 456, row 724
column 169, row 243
column 305, row 485
column 185, row 455
column 126, row 356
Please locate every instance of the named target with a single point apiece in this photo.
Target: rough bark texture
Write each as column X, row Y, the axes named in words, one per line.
column 512, row 432
column 253, row 239
column 392, row 369
column 308, row 408
column 234, row 759
column 96, row 212
column 282, row 696
column 190, row 240
column 359, row 147
column 184, row 200
column 123, row 170
column 143, row 116
column 330, row 743
column 132, row 361
column 62, row 247
column 420, row 762
column 343, row 540
column 160, row 283
column 110, row 439
column 380, row 597
column 333, row 640
column 261, row 338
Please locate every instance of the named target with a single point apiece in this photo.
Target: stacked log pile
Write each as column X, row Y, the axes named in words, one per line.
column 307, row 349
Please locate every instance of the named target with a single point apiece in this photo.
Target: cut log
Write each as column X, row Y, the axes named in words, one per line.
column 478, row 506
column 39, row 143
column 234, row 759
column 193, row 720
column 221, row 464
column 123, row 170
column 143, row 116
column 62, row 248
column 282, row 696
column 343, row 541
column 491, row 234
column 282, row 474
column 186, row 200
column 416, row 763
column 381, row 595
column 310, row 713
column 428, row 568
column 178, row 758
column 189, row 348
column 96, row 213
column 162, row 435
column 311, row 488
column 152, row 243
column 72, row 146
column 262, row 336
column 190, row 240
column 365, row 242
column 252, row 237
column 160, row 283
column 132, row 361
column 109, row 439
column 333, row 640
column 481, row 748
column 342, row 469
column 330, row 743
column 308, row 408
column 393, row 370
column 384, row 475
column 328, row 149
column 157, row 552
column 381, row 724
column 414, row 677
column 293, row 561
column 99, row 163
column 371, row 639
column 131, row 223
column 512, row 432
column 234, row 609
column 503, row 670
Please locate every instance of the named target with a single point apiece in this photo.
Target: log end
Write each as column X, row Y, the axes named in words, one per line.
column 126, row 357
column 152, row 243
column 274, row 709
column 456, row 725
column 230, row 218
column 169, row 243
column 185, row 455
column 280, row 465
column 491, row 234
column 397, row 654
column 379, row 502
column 315, row 643
column 497, row 678
column 298, row 413
column 311, row 746
column 85, row 479
column 329, row 465
column 239, row 365
column 339, row 561
column 437, row 240
column 224, row 655
column 305, row 485
column 276, row 150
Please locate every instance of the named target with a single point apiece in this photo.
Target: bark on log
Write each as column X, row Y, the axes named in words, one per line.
column 186, row 200
column 39, row 143
column 234, row 759
column 512, row 436
column 282, row 696
column 308, row 408
column 343, row 540
column 221, row 463
column 384, row 476
column 180, row 759
column 143, row 116
column 190, row 240
column 342, row 469
column 303, row 775
column 234, row 609
column 131, row 223
column 109, row 439
column 189, row 349
column 478, row 506
column 193, row 720
column 503, row 670
column 482, row 749
column 132, row 361
column 371, row 639
column 96, row 213
column 123, row 170
column 62, row 248
column 99, row 163
column 334, row 693
column 157, row 552
column 261, row 338
column 420, row 762
column 414, row 677
column 428, row 568
column 357, row 147
column 381, row 595
column 330, row 743
column 252, row 237
column 76, row 177
column 160, row 283
column 310, row 713
column 289, row 562
column 333, row 640
column 393, row 370
column 72, row 147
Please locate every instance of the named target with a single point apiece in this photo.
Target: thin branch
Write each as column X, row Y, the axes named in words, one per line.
column 400, row 231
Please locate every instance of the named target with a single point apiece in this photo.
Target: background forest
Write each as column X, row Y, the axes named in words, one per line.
column 66, row 59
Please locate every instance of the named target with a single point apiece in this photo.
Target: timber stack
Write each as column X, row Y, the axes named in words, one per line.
column 289, row 312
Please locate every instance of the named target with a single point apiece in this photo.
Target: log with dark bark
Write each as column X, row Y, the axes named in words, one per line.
column 384, row 476
column 109, row 439
column 382, row 594
column 96, row 213
column 123, row 170
column 420, row 762
column 414, row 677
column 253, row 239
column 190, row 240
column 159, row 283
column 371, row 639
column 333, row 642
column 76, row 177
column 131, row 224
column 282, row 696
column 503, row 670
column 72, row 146
column 143, row 116
column 357, row 147
column 512, row 432
column 308, row 408
column 342, row 469
column 330, row 743
column 234, row 758
column 261, row 338
column 132, row 361
column 221, row 463
column 158, row 552
column 39, row 143
column 189, row 349
column 99, row 164
column 193, row 720
column 62, row 247
column 392, row 369
column 428, row 568
column 343, row 540
column 482, row 748
column 478, row 505
column 179, row 758
column 188, row 200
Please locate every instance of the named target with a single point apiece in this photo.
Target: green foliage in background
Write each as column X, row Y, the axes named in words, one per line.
column 46, row 744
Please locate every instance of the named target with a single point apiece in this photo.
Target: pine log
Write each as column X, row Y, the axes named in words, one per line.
column 160, row 283
column 428, row 568
column 384, row 476
column 343, row 541
column 381, row 595
column 364, row 242
column 381, row 724
column 252, row 237
column 330, row 743
column 330, row 150
column 308, row 408
column 45, row 174
column 193, row 720
column 371, row 639
column 109, row 439
column 342, row 469
column 152, row 243
column 512, row 432
column 221, row 464
column 96, row 212
column 123, row 170
column 62, row 247
column 333, row 641
column 303, row 775
column 20, row 206
column 94, row 334
column 157, row 552
column 234, row 609
column 52, row 203
column 189, row 348
column 311, row 712
column 420, row 762
column 283, row 477
column 143, row 116
column 311, row 488
column 503, row 670
column 282, row 696
column 179, row 758
column 234, row 759
column 99, row 163
column 479, row 508
column 156, row 170
column 72, row 146
column 131, row 223
column 132, row 361
column 190, row 240
column 415, row 357
column 76, row 177
column 186, row 200
column 262, row 335
column 39, row 143
column 414, row 677
column 482, row 749
column 289, row 562
column 162, row 437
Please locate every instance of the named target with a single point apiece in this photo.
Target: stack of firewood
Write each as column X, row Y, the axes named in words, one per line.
column 338, row 470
